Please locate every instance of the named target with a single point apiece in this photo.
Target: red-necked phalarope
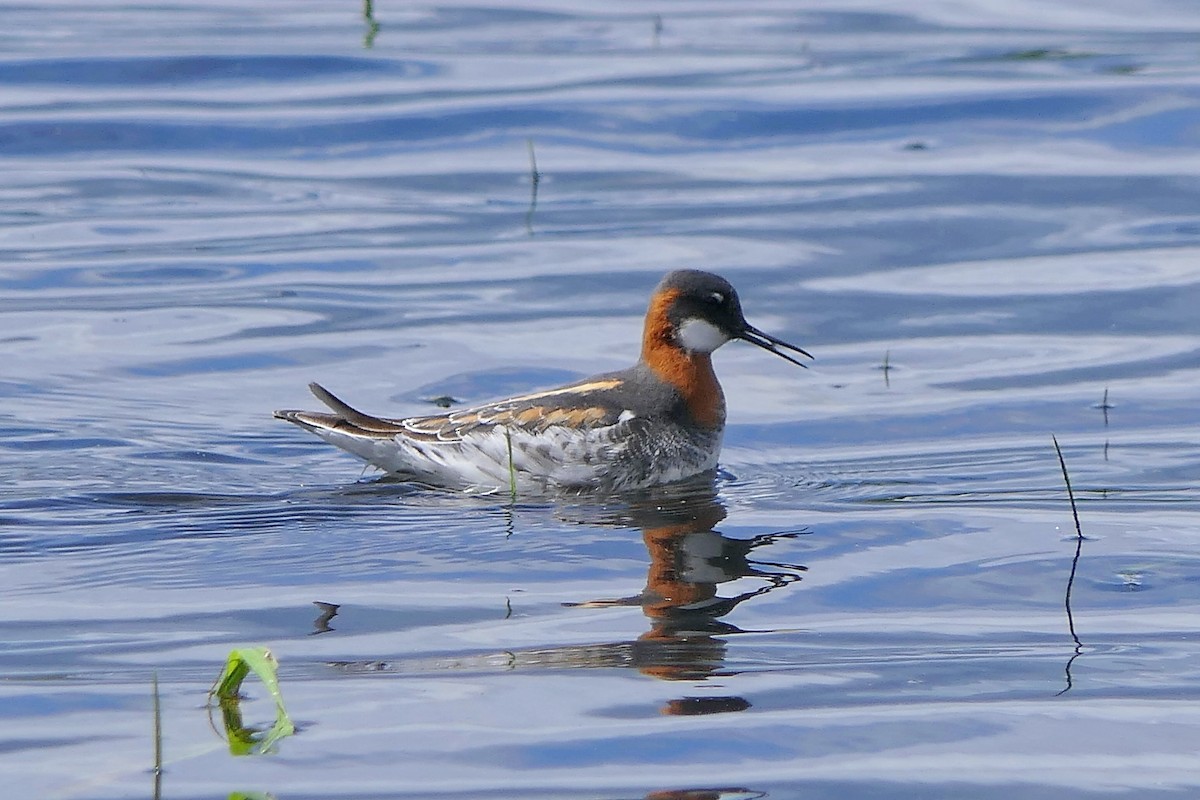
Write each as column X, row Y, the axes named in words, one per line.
column 657, row 422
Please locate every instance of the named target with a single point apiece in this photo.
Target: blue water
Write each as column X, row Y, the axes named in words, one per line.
column 980, row 217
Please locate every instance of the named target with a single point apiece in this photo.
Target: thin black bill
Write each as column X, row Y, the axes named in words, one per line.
column 771, row 344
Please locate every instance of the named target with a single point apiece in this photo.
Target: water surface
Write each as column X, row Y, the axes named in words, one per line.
column 980, row 218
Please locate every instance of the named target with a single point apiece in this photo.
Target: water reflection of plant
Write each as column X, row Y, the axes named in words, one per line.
column 1062, row 463
column 372, row 24
column 244, row 739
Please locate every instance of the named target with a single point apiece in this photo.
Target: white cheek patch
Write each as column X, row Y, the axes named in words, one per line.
column 699, row 336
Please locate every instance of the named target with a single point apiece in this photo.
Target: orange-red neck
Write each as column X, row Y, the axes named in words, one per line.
column 690, row 373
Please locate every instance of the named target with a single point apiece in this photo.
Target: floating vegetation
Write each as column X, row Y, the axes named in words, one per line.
column 244, row 740
column 372, row 24
column 887, row 368
column 321, row 623
column 1044, row 54
column 442, row 400
column 535, row 179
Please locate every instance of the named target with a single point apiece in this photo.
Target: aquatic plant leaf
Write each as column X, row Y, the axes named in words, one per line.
column 245, row 740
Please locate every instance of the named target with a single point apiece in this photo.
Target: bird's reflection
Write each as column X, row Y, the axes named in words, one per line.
column 689, row 560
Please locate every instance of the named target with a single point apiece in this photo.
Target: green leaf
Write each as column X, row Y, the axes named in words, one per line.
column 244, row 740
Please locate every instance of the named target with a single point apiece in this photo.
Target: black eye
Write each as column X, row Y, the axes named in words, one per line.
column 715, row 298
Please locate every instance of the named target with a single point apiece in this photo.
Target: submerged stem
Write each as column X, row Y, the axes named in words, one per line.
column 1062, row 463
column 158, row 752
column 512, row 470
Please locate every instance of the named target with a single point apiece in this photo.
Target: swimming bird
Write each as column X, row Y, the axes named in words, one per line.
column 656, row 422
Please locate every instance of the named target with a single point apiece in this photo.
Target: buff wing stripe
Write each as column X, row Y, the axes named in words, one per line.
column 520, row 413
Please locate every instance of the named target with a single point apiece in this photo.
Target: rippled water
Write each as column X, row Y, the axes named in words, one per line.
column 981, row 218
